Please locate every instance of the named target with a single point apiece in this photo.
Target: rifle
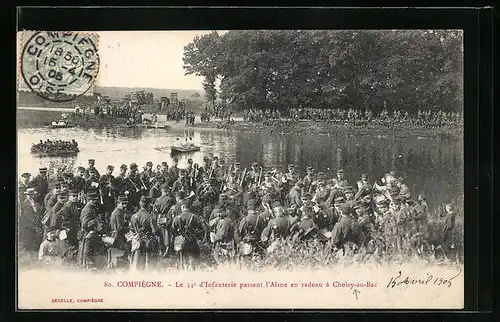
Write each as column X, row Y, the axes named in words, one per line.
column 243, row 174
column 225, row 177
column 260, row 176
column 135, row 186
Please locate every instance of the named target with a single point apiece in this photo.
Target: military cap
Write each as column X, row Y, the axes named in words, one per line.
column 251, row 204
column 215, row 158
column 255, row 164
column 42, row 170
column 190, row 161
column 205, row 158
column 176, row 159
column 110, row 167
column 93, row 224
column 164, row 163
column 221, row 161
column 321, row 173
column 145, row 199
column 268, row 174
column 322, row 183
column 291, row 166
column 306, row 195
column 92, row 196
column 186, row 202
column 364, row 176
column 340, row 171
column 309, row 168
column 276, row 204
column 149, row 163
column 122, row 199
column 26, row 175
column 91, row 161
column 181, row 194
column 133, row 166
column 182, row 171
column 30, row 191
column 164, row 187
column 74, row 192
column 80, row 168
column 349, row 189
column 396, row 200
column 62, row 194
column 237, row 163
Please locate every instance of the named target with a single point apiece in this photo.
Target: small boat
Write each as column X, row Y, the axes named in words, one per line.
column 60, row 125
column 56, row 153
column 186, row 149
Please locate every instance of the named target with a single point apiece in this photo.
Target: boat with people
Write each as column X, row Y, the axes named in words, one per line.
column 186, row 146
column 57, row 148
column 60, row 125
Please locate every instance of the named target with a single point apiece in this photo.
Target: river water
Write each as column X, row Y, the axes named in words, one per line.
column 433, row 166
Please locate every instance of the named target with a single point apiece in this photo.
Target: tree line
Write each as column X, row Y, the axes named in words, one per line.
column 407, row 70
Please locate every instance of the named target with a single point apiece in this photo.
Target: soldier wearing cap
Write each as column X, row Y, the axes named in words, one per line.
column 345, row 230
column 144, row 243
column 155, row 190
column 277, row 227
column 161, row 209
column 107, row 191
column 54, row 216
column 366, row 223
column 309, row 178
column 181, row 183
column 50, row 247
column 305, row 228
column 340, row 182
column 91, row 167
column 147, row 176
column 252, row 176
column 237, row 170
column 30, row 232
column 78, row 181
column 134, row 187
column 24, row 184
column 294, row 196
column 232, row 188
column 51, row 197
column 69, row 217
column 174, row 169
column 120, row 182
column 92, row 182
column 191, row 228
column 41, row 185
column 205, row 168
column 89, row 212
column 118, row 223
column 222, row 210
column 164, row 171
column 251, row 226
column 224, row 237
column 291, row 176
column 364, row 187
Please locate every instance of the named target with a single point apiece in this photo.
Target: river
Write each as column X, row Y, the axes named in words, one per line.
column 433, row 166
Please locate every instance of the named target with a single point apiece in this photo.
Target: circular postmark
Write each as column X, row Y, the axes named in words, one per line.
column 60, row 66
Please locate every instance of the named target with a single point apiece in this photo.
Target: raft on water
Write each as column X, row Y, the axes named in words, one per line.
column 178, row 149
column 60, row 125
column 68, row 153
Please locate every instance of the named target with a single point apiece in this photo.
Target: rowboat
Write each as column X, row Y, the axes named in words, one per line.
column 56, row 153
column 187, row 149
column 60, row 126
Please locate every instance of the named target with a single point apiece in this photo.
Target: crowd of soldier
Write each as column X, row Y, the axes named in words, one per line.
column 136, row 217
column 49, row 146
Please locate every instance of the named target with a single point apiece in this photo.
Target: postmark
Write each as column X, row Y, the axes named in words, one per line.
column 60, row 66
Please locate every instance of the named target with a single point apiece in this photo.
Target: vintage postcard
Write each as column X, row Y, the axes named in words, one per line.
column 277, row 169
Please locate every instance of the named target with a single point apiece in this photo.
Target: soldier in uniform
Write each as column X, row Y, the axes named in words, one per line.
column 78, row 182
column 164, row 172
column 41, row 185
column 250, row 229
column 119, row 227
column 51, row 197
column 291, row 176
column 232, row 189
column 106, row 190
column 294, row 196
column 89, row 212
column 161, row 209
column 23, row 184
column 134, row 187
column 305, row 228
column 308, row 179
column 181, row 183
column 29, row 218
column 92, row 182
column 224, row 238
column 190, row 227
column 174, row 170
column 91, row 246
column 252, row 176
column 50, row 247
column 340, row 182
column 70, row 217
column 144, row 243
column 448, row 243
column 91, row 167
column 120, row 182
column 155, row 191
column 278, row 227
column 345, row 230
column 147, row 176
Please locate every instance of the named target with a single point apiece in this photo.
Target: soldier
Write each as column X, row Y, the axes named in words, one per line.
column 54, row 217
column 106, row 190
column 364, row 186
column 278, row 227
column 30, row 232
column 118, row 223
column 291, row 176
column 78, row 182
column 345, row 230
column 294, row 196
column 306, row 228
column 186, row 231
column 308, row 179
column 91, row 167
column 91, row 246
column 161, row 209
column 252, row 176
column 340, row 182
column 41, row 185
column 147, row 176
column 89, row 212
column 182, row 183
column 232, row 189
column 70, row 217
column 174, row 170
column 50, row 247
column 134, row 187
column 155, row 191
column 448, row 243
column 224, row 238
column 120, row 182
column 164, row 172
column 250, row 230
column 24, row 184
column 51, row 197
column 237, row 171
column 205, row 169
column 144, row 243
column 92, row 182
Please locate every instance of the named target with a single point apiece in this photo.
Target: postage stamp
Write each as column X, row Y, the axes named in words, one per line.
column 59, row 66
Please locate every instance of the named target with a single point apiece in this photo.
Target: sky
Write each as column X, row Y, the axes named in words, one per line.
column 146, row 59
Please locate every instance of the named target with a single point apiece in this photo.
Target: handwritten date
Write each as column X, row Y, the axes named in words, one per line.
column 428, row 280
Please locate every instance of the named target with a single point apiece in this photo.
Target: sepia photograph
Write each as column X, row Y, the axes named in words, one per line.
column 218, row 169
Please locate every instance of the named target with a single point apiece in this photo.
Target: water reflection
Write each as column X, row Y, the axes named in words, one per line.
column 431, row 165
